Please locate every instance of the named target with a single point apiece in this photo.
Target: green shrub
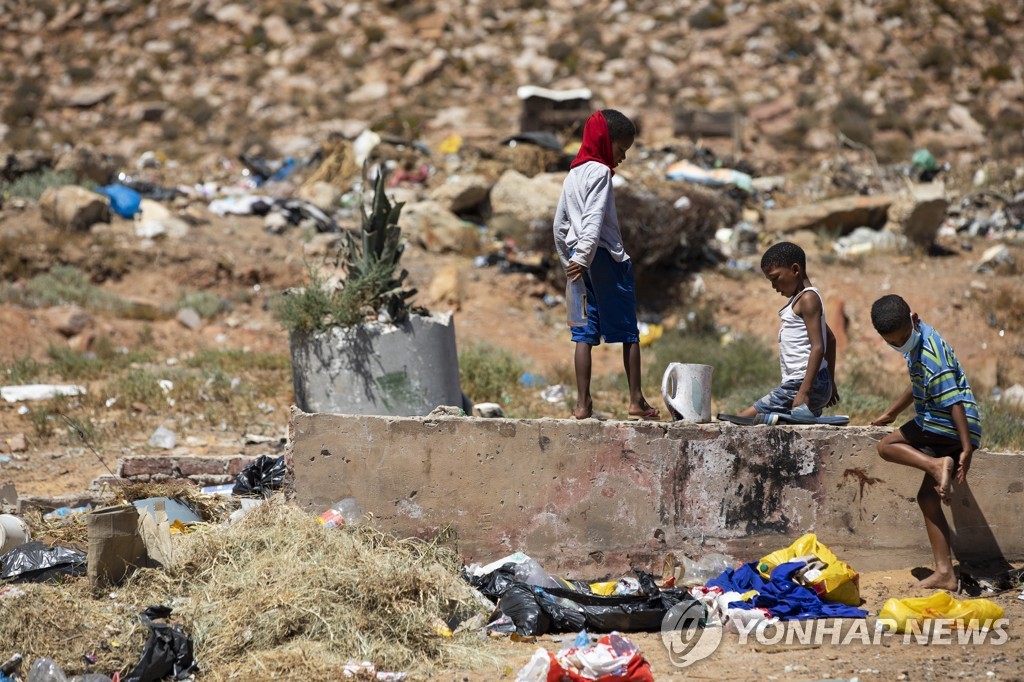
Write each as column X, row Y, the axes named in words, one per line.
column 373, row 282
column 488, row 373
column 63, row 285
column 207, row 304
column 138, row 386
column 32, row 185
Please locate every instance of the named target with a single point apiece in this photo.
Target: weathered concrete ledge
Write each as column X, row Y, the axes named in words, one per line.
column 593, row 497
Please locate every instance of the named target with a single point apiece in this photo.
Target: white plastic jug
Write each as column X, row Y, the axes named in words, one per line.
column 687, row 391
column 13, row 533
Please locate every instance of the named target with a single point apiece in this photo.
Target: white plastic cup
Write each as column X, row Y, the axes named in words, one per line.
column 13, row 533
column 686, row 390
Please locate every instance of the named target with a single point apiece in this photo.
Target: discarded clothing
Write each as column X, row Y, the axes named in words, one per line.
column 613, row 658
column 716, row 177
column 784, row 598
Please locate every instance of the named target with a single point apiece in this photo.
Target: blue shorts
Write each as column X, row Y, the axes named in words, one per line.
column 611, row 302
column 781, row 399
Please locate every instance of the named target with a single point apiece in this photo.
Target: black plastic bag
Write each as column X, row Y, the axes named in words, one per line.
column 538, row 611
column 519, row 603
column 34, row 562
column 261, row 478
column 167, row 653
column 493, row 584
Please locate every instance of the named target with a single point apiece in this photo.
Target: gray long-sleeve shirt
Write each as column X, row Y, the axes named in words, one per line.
column 585, row 218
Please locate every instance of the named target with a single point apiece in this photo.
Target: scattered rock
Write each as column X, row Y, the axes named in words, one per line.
column 439, row 230
column 73, row 208
column 446, row 288
column 322, row 194
column 154, row 220
column 841, row 215
column 189, row 318
column 1014, row 395
column 998, row 259
column 278, row 31
column 488, row 410
column 86, row 163
column 462, row 193
column 13, row 443
column 921, row 212
column 69, row 320
column 543, row 191
column 238, row 16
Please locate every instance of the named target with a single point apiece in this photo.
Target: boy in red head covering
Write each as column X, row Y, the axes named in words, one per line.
column 589, row 245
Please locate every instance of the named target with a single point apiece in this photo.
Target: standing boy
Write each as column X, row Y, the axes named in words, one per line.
column 944, row 433
column 807, row 346
column 589, row 244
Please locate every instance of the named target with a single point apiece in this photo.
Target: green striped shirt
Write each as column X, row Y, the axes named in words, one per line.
column 938, row 383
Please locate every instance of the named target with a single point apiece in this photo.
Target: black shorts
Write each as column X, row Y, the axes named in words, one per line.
column 929, row 443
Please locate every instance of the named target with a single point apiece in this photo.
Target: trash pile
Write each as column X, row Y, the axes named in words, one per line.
column 530, row 602
column 275, row 593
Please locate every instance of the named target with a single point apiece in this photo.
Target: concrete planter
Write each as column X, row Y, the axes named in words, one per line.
column 374, row 368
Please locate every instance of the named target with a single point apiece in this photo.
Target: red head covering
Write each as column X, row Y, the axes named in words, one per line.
column 597, row 143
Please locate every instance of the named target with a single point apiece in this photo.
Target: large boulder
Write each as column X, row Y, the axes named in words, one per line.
column 841, row 215
column 921, row 212
column 462, row 193
column 86, row 163
column 73, row 208
column 527, row 199
column 438, row 230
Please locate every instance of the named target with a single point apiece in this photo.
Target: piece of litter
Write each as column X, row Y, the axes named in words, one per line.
column 16, row 394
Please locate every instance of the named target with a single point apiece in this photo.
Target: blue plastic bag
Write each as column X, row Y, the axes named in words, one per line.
column 123, row 200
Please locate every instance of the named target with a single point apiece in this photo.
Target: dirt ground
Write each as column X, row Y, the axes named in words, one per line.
column 244, row 265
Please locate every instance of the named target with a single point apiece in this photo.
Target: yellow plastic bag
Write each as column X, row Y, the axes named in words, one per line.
column 969, row 614
column 838, row 582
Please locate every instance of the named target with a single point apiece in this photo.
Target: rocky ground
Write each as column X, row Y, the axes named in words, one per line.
column 167, row 320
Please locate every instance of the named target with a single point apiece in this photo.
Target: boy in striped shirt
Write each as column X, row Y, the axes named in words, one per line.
column 946, row 430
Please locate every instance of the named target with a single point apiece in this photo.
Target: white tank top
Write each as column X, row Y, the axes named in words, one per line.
column 794, row 343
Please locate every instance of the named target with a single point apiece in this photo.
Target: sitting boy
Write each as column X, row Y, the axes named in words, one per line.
column 942, row 436
column 807, row 352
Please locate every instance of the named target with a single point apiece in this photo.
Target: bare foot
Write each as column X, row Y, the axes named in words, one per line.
column 643, row 410
column 945, row 479
column 938, row 581
column 583, row 411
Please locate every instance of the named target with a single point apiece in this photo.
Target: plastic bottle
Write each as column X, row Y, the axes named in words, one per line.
column 576, row 302
column 46, row 670
column 342, row 513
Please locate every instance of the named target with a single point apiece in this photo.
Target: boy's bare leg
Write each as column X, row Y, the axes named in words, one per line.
column 638, row 405
column 938, row 536
column 749, row 412
column 894, row 448
column 581, row 362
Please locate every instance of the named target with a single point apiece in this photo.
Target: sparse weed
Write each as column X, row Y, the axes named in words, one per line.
column 236, row 361
column 207, row 304
column 489, row 373
column 1002, row 426
column 68, row 364
column 32, row 185
column 23, row 370
column 63, row 285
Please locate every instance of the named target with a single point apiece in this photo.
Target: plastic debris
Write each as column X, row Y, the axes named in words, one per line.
column 612, row 657
column 907, row 615
column 163, row 438
column 167, row 652
column 364, row 669
column 16, row 394
column 261, row 478
column 345, row 512
column 35, row 562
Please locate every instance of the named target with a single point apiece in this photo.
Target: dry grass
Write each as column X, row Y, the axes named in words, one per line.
column 276, row 595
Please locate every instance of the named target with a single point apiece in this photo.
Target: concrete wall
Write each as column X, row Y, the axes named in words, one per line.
column 593, row 497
